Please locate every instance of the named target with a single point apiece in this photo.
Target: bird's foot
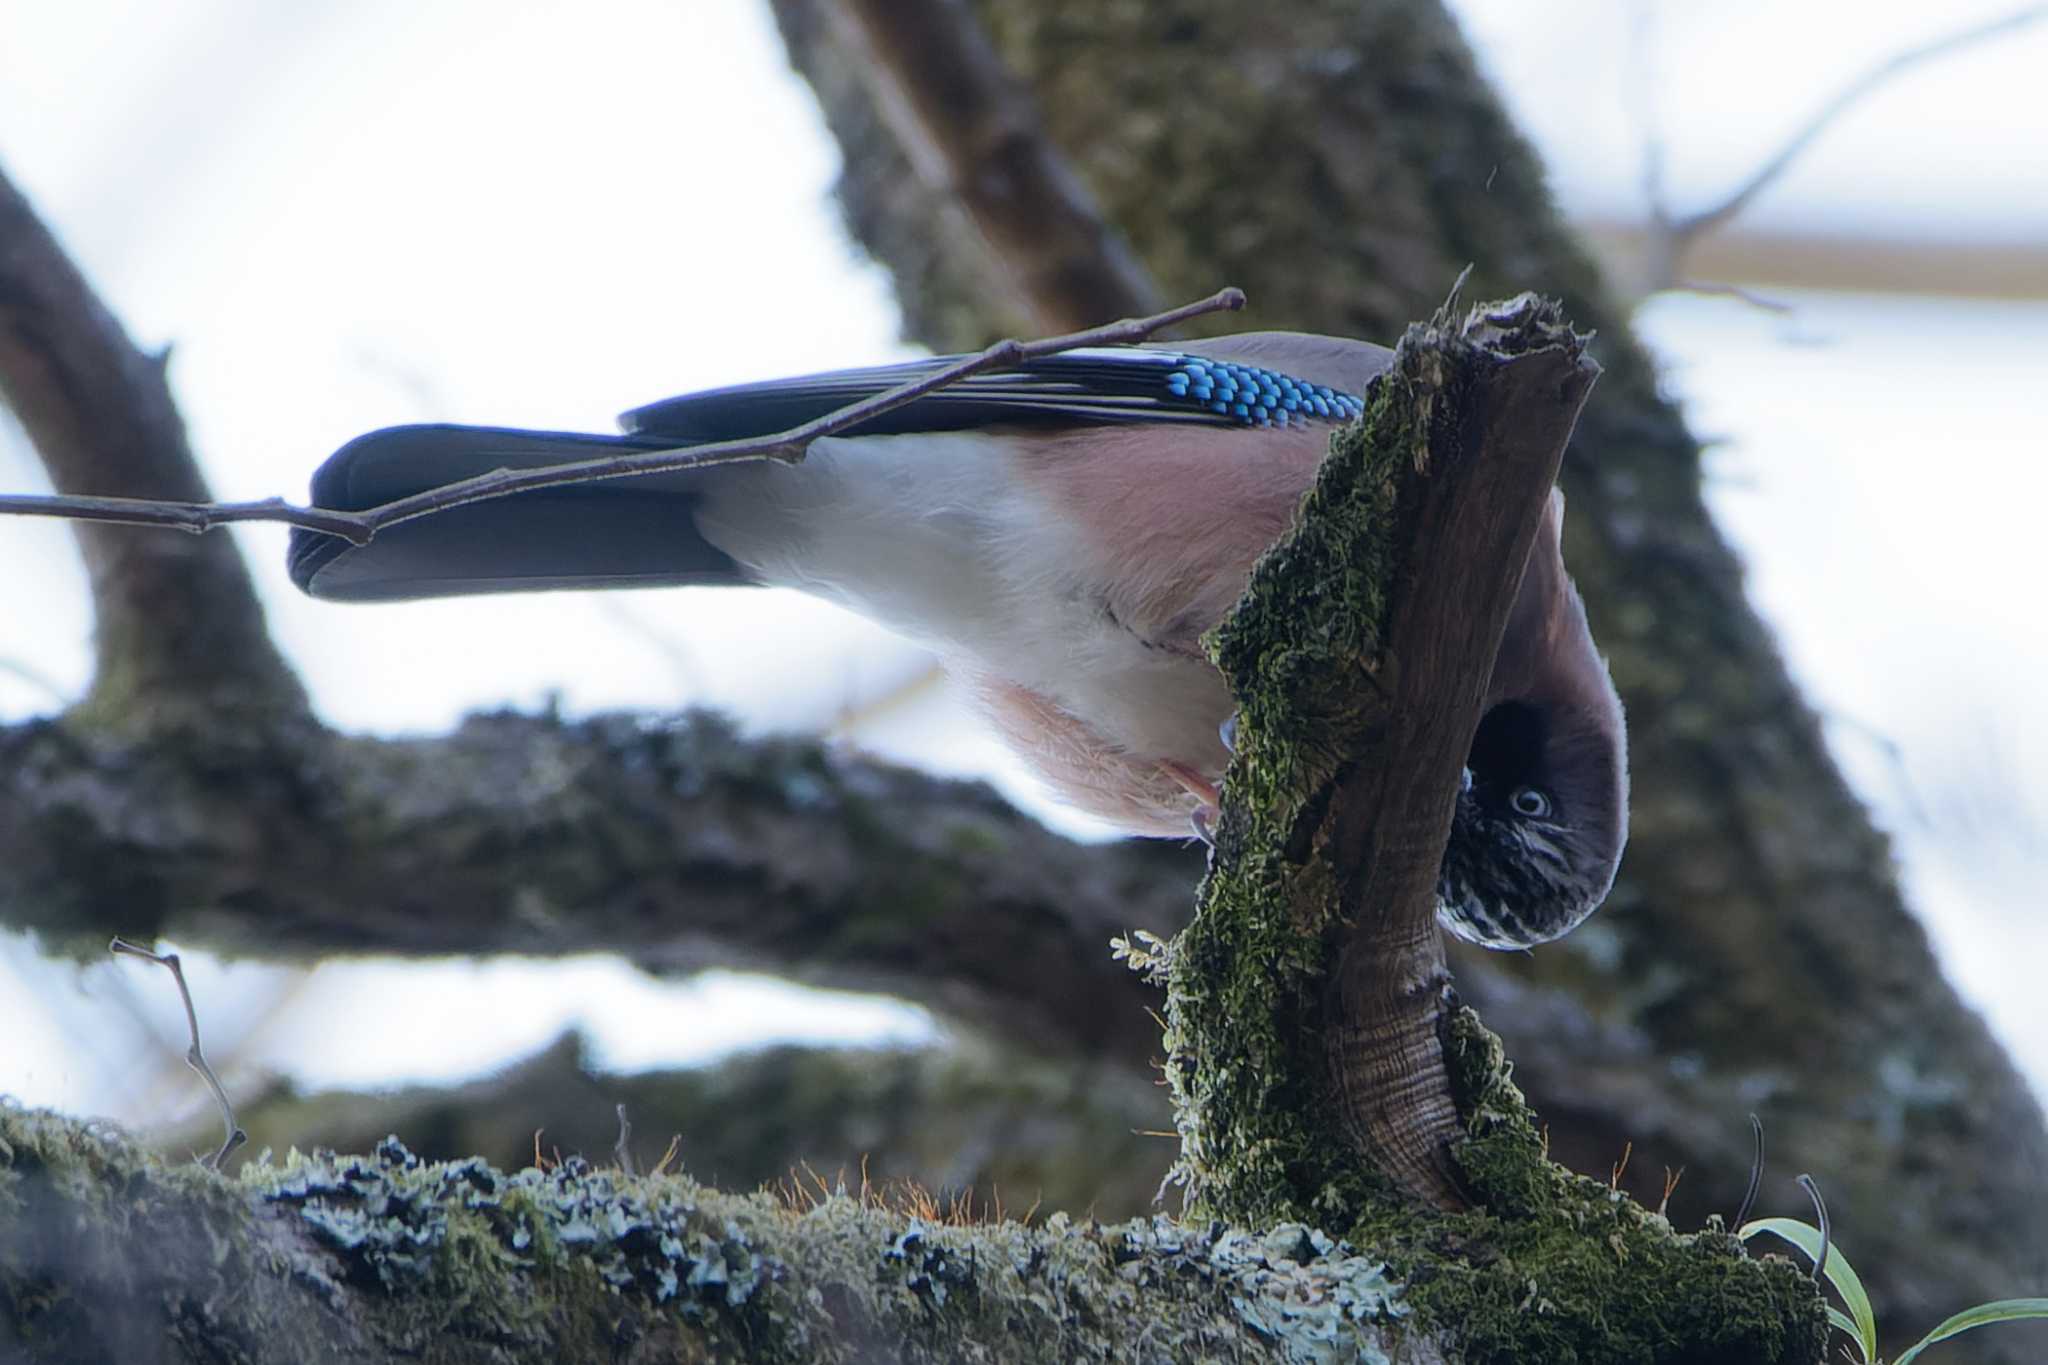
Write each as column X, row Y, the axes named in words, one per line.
column 1208, row 798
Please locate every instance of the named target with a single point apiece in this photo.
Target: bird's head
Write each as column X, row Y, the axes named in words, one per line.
column 1543, row 813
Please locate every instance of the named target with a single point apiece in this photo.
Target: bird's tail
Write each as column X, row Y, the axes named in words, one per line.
column 637, row 532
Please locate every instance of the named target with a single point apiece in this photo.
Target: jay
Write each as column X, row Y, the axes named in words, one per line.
column 1062, row 534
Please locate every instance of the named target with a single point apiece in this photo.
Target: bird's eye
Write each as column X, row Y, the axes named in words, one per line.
column 1530, row 802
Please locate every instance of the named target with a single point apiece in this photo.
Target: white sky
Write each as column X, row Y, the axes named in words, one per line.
column 543, row 213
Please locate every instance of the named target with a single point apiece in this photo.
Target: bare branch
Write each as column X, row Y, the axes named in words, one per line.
column 194, row 1058
column 196, row 517
column 1706, row 220
column 623, row 1148
column 1670, row 236
column 1761, row 302
column 37, row 679
column 790, row 445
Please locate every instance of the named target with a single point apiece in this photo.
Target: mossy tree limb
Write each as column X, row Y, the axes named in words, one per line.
column 107, row 1253
column 1306, row 998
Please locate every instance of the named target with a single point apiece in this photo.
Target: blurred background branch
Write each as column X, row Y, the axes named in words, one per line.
column 1669, row 238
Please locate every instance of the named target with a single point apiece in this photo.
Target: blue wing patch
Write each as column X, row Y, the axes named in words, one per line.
column 1095, row 386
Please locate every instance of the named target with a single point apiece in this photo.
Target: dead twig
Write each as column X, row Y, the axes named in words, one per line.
column 194, row 1058
column 1672, row 235
column 622, row 1149
column 788, row 446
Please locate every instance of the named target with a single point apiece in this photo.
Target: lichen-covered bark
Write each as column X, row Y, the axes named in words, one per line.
column 997, row 1125
column 1342, row 162
column 109, row 1254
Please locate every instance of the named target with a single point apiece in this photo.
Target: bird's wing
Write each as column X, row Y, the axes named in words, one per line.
column 1337, row 362
column 1196, row 384
column 641, row 532
column 619, row 533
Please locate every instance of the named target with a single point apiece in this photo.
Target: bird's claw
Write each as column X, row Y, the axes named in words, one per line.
column 1208, row 797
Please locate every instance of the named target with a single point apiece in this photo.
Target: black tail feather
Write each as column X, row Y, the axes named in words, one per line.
column 638, row 532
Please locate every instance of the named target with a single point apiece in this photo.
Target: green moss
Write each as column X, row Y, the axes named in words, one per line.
column 1549, row 1266
column 1559, row 1267
column 1246, row 978
column 74, row 1200
column 106, row 1252
column 458, row 1261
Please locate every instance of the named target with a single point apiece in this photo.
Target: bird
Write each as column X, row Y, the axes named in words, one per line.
column 1062, row 533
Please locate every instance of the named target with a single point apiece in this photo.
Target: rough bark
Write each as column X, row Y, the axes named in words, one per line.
column 981, row 146
column 1342, row 163
column 107, row 1253
column 1004, row 1128
column 675, row 843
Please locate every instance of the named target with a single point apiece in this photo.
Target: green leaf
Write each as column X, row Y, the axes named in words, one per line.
column 1840, row 1274
column 1984, row 1314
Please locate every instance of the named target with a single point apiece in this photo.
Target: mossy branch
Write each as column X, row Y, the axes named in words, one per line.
column 107, row 1253
column 1307, row 997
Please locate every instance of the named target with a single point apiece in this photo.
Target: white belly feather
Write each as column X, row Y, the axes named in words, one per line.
column 939, row 537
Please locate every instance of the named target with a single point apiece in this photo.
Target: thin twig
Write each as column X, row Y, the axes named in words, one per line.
column 36, row 679
column 1709, row 288
column 788, row 446
column 1670, row 235
column 621, row 1149
column 196, row 517
column 1693, row 225
column 1671, row 1179
column 194, row 1058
